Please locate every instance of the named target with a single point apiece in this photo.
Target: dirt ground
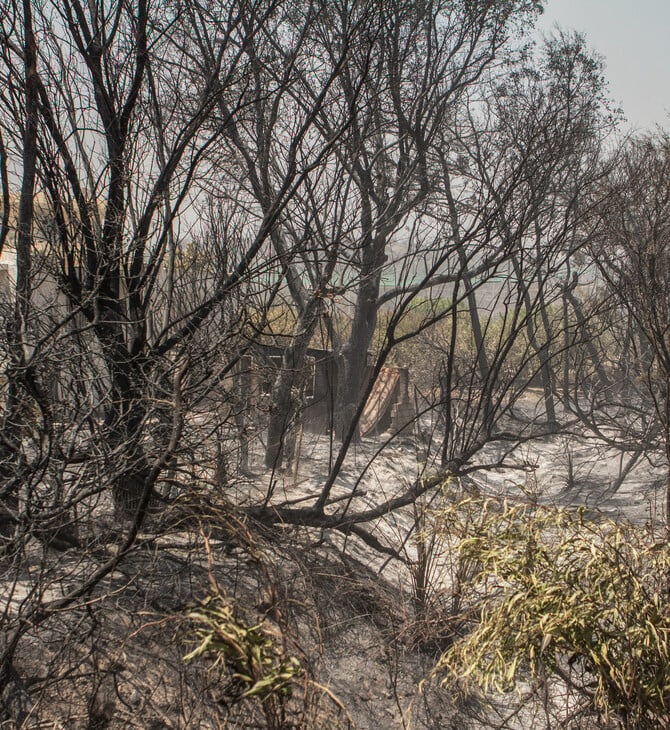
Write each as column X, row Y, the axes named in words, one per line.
column 343, row 610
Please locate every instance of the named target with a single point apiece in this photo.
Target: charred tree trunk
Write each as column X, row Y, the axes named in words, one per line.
column 665, row 420
column 125, row 422
column 126, row 411
column 355, row 352
column 287, row 386
column 540, row 349
column 483, row 365
column 547, row 372
column 18, row 324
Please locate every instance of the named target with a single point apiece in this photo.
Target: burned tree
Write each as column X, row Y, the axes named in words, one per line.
column 115, row 145
column 422, row 62
column 631, row 250
column 183, row 176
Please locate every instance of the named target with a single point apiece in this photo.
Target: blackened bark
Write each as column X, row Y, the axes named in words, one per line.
column 125, row 420
column 540, row 349
column 26, row 200
column 287, row 386
column 355, row 352
column 12, row 423
column 18, row 325
column 4, row 182
column 473, row 309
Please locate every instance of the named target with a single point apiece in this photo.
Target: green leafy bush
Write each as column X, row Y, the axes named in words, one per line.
column 249, row 655
column 558, row 595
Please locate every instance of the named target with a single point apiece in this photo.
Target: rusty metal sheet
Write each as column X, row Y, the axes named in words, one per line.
column 380, row 399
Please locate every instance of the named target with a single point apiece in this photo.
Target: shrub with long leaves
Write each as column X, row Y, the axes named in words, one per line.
column 560, row 595
column 250, row 655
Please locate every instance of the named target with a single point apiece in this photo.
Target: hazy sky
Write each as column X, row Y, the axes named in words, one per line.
column 634, row 38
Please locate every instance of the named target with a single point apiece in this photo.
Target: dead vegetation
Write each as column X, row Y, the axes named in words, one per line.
column 338, row 630
column 219, row 621
column 281, row 281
